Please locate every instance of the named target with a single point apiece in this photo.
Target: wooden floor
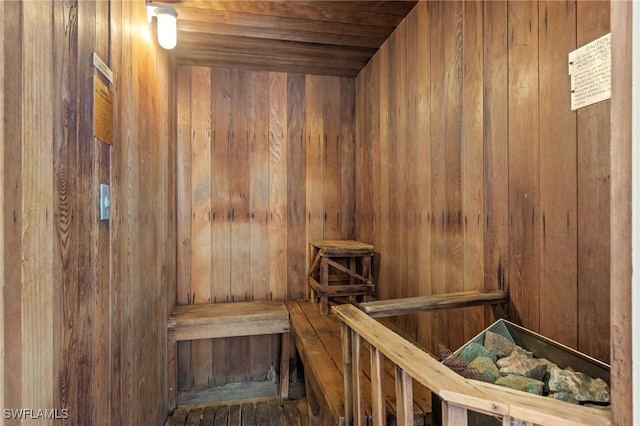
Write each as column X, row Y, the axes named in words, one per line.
column 271, row 412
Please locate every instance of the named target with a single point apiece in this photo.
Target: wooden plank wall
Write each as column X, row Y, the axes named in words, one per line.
column 623, row 159
column 473, row 172
column 85, row 303
column 265, row 164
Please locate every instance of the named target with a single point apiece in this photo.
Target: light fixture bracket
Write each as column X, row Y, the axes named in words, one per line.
column 153, row 9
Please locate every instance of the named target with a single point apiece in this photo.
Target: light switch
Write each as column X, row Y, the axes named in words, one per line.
column 105, row 201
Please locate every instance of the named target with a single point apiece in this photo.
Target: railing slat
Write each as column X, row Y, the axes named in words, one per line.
column 404, row 397
column 377, row 387
column 452, row 415
column 347, row 373
column 358, row 381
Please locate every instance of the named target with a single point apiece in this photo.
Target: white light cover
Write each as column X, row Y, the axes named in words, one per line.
column 167, row 34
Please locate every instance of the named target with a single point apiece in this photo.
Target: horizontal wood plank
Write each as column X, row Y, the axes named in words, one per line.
column 325, row 378
column 419, row 304
column 202, row 321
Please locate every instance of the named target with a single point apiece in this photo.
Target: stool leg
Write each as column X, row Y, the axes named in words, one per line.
column 367, row 273
column 324, row 286
column 352, row 280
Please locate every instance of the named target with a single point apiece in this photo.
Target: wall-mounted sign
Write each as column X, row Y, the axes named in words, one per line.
column 102, row 67
column 102, row 111
column 590, row 71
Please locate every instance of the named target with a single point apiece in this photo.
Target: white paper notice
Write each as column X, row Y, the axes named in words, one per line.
column 590, row 70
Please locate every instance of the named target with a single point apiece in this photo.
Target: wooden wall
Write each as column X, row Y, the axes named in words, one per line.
column 265, row 164
column 473, row 172
column 84, row 303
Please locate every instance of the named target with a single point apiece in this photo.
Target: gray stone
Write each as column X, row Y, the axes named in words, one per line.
column 473, row 350
column 550, row 365
column 486, row 366
column 521, row 383
column 521, row 365
column 497, row 344
column 579, row 385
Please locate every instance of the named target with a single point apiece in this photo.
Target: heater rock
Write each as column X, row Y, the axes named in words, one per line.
column 521, row 383
column 474, row 350
column 521, row 365
column 579, row 385
column 486, row 366
column 497, row 344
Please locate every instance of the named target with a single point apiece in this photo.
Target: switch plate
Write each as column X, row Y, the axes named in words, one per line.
column 105, row 201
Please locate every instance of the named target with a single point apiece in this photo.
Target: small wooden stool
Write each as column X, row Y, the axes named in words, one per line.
column 351, row 273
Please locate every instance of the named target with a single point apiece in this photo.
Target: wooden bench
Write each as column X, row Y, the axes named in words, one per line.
column 318, row 339
column 209, row 321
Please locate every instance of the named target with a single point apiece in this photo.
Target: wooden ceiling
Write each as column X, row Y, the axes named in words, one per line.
column 316, row 37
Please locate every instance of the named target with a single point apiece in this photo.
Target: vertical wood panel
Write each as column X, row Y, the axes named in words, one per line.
column 262, row 356
column 201, row 189
column 120, row 13
column 524, row 226
column 257, row 128
column 220, row 204
column 314, row 101
column 11, row 171
column 496, row 152
column 424, row 237
column 437, row 26
column 278, row 171
column 362, row 164
column 472, row 152
column 37, row 211
column 382, row 167
column 594, row 194
column 66, row 202
column 183, row 230
column 558, row 180
column 296, row 186
column 277, row 188
column 623, row 15
column 331, row 130
column 452, row 140
column 2, row 215
column 412, row 166
column 239, row 172
column 347, row 159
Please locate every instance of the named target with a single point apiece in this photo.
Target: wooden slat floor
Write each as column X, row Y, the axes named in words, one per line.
column 251, row 413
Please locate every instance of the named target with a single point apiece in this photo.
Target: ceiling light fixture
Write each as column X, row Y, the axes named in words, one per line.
column 166, row 16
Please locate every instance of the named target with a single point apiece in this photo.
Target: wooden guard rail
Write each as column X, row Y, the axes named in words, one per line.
column 458, row 394
column 413, row 305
